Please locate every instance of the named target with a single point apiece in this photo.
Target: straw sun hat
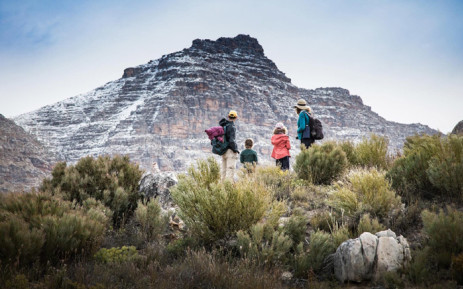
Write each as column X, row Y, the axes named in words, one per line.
column 302, row 104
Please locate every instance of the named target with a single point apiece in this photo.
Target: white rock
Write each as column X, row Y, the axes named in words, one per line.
column 389, row 256
column 370, row 256
column 386, row 233
column 369, row 245
column 348, row 261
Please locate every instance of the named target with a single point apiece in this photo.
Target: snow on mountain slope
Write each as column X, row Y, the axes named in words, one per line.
column 157, row 112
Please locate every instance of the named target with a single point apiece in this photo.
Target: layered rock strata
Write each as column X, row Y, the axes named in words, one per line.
column 24, row 161
column 157, row 112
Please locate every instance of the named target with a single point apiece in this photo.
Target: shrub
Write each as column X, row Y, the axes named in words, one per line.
column 372, row 152
column 321, row 164
column 366, row 191
column 445, row 170
column 419, row 271
column 445, row 233
column 200, row 269
column 279, row 182
column 349, row 148
column 457, row 268
column 264, row 248
column 150, row 219
column 116, row 254
column 113, row 181
column 323, row 220
column 408, row 174
column 320, row 246
column 216, row 210
column 296, row 228
column 366, row 224
column 40, row 227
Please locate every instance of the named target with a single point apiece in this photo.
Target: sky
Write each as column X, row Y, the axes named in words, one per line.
column 403, row 58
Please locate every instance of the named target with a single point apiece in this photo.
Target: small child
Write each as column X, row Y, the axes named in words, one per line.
column 281, row 146
column 248, row 156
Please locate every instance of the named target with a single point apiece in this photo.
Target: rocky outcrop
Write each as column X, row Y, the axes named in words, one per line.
column 157, row 112
column 24, row 161
column 458, row 129
column 370, row 256
column 157, row 186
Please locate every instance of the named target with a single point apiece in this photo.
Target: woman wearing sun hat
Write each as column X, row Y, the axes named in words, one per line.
column 230, row 157
column 303, row 129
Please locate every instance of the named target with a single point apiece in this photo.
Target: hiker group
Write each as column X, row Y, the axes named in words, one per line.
column 223, row 140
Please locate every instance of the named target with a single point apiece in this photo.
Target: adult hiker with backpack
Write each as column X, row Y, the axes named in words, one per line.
column 230, row 156
column 309, row 128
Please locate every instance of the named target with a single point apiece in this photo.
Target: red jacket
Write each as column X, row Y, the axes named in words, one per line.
column 281, row 146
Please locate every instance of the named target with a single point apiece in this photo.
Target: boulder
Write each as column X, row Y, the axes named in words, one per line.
column 157, row 186
column 370, row 256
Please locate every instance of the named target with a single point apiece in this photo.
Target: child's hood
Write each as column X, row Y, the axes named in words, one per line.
column 279, row 138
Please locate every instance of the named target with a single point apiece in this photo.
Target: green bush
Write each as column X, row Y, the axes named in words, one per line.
column 372, row 152
column 113, row 181
column 419, row 269
column 296, row 227
column 263, row 246
column 43, row 228
column 366, row 224
column 321, row 245
column 445, row 233
column 216, row 210
column 150, row 219
column 349, row 148
column 323, row 220
column 445, row 170
column 321, row 164
column 366, row 191
column 116, row 254
column 408, row 173
column 280, row 183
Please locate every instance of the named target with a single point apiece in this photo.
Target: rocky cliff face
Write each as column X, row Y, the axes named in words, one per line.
column 24, row 161
column 157, row 112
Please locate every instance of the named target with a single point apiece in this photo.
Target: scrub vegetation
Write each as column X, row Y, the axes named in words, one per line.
column 88, row 226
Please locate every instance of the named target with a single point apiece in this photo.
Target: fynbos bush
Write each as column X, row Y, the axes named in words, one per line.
column 278, row 182
column 445, row 170
column 372, row 152
column 264, row 246
column 215, row 210
column 321, row 164
column 408, row 173
column 366, row 224
column 150, row 219
column 116, row 254
column 366, row 191
column 431, row 166
column 113, row 181
column 445, row 232
column 39, row 227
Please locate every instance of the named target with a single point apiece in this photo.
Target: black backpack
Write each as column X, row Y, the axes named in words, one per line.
column 316, row 128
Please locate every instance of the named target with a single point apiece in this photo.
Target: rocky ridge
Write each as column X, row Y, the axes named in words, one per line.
column 24, row 161
column 458, row 129
column 157, row 112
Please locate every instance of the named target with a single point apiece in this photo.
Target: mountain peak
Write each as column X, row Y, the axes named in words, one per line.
column 241, row 43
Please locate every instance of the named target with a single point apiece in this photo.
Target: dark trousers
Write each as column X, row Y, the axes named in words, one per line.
column 307, row 142
column 283, row 163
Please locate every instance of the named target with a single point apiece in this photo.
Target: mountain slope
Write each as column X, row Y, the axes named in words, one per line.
column 157, row 112
column 24, row 161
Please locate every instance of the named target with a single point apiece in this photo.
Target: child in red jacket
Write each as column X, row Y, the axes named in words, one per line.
column 281, row 146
